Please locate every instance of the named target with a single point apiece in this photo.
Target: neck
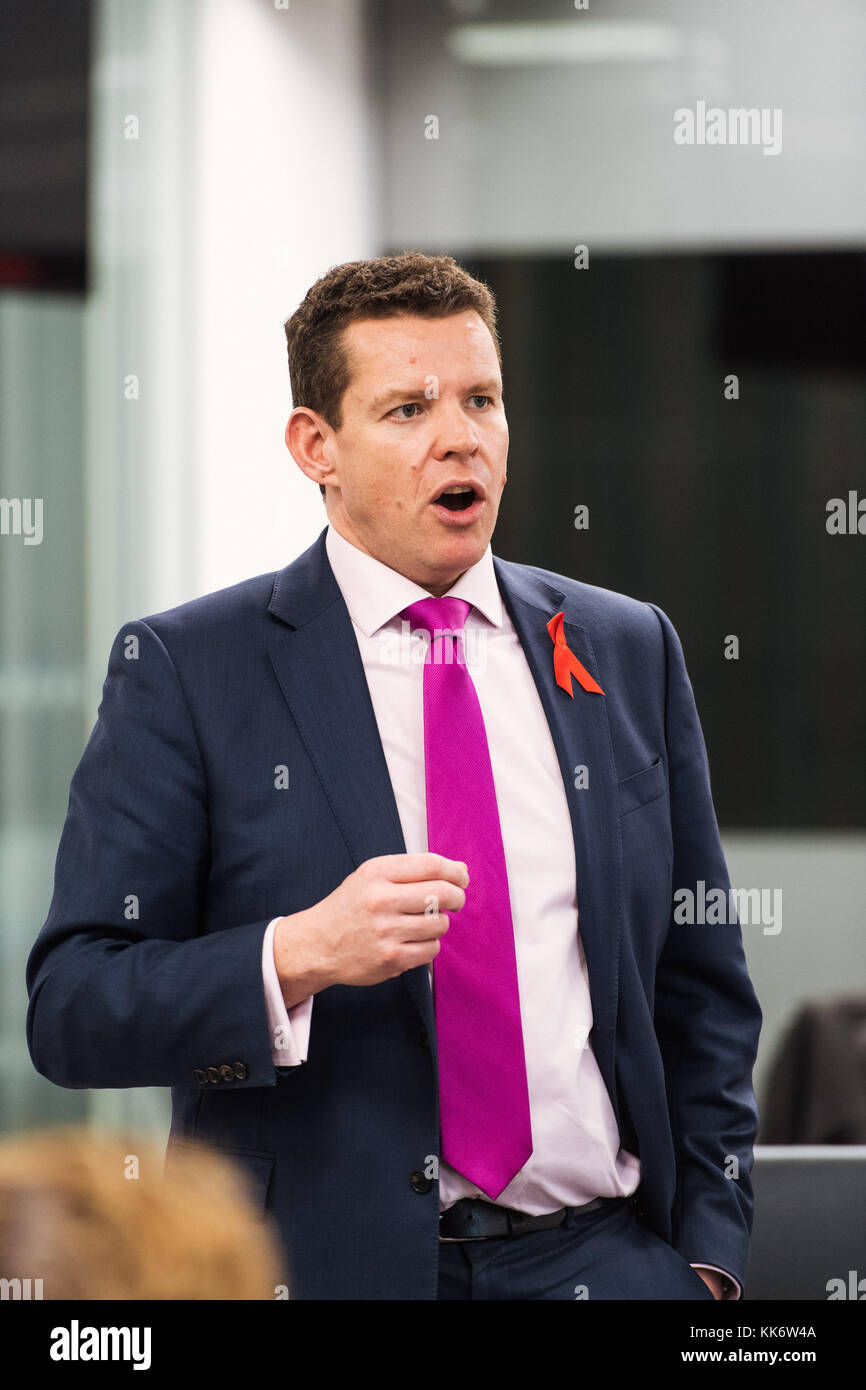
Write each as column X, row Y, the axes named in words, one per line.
column 437, row 590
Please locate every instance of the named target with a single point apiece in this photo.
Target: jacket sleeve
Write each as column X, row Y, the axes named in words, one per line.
column 707, row 1017
column 126, row 987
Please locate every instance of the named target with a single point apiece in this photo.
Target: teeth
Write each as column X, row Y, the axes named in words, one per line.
column 456, row 488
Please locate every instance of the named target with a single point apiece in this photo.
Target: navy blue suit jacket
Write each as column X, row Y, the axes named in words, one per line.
column 179, row 847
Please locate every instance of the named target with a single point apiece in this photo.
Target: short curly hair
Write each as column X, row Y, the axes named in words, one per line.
column 408, row 283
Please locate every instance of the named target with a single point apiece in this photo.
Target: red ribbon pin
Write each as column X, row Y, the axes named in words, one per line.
column 565, row 663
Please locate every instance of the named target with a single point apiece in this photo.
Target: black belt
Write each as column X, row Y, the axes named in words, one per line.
column 473, row 1219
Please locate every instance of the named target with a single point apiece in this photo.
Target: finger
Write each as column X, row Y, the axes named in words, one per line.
column 430, row 896
column 415, row 868
column 418, row 927
column 418, row 953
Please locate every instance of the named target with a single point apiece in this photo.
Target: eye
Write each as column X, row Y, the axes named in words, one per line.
column 409, row 405
column 479, row 397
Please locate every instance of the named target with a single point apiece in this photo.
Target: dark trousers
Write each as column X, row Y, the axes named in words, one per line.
column 608, row 1253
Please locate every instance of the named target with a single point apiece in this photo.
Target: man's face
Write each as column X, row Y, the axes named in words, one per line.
column 423, row 412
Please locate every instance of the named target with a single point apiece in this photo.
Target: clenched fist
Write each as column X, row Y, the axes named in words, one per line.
column 385, row 918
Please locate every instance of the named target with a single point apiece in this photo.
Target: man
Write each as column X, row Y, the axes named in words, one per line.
column 372, row 861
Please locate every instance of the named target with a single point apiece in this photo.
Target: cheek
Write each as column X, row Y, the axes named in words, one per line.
column 368, row 479
column 379, row 493
column 393, row 479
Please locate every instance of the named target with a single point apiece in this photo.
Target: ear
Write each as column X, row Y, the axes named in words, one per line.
column 309, row 439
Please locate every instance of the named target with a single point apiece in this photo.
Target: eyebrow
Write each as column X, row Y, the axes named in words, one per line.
column 398, row 395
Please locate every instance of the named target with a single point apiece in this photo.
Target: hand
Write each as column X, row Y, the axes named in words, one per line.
column 386, row 917
column 712, row 1279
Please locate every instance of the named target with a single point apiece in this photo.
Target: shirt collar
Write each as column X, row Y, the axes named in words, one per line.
column 375, row 593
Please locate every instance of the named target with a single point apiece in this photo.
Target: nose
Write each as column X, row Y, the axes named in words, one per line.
column 456, row 433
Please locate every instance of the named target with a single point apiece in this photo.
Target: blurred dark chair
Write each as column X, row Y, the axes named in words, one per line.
column 816, row 1091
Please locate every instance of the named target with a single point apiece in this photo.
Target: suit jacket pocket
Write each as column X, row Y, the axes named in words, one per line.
column 642, row 787
column 256, row 1168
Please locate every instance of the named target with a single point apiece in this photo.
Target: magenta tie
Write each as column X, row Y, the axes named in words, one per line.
column 483, row 1093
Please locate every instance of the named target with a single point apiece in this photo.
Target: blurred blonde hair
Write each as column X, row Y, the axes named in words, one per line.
column 70, row 1216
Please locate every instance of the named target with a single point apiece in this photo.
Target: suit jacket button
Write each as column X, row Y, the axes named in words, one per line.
column 226, row 1072
column 419, row 1182
column 241, row 1071
column 424, row 1035
column 213, row 1074
column 199, row 1076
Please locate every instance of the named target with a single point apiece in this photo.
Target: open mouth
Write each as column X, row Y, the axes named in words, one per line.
column 456, row 499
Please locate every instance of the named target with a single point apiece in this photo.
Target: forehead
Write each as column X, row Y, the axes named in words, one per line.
column 411, row 342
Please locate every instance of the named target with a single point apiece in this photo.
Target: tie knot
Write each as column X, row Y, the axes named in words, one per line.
column 445, row 614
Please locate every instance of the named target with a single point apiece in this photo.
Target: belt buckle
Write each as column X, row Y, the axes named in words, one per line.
column 458, row 1240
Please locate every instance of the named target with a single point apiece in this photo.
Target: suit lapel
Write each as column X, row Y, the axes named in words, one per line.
column 581, row 735
column 321, row 674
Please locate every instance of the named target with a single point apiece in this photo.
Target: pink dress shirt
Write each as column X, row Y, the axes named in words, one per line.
column 577, row 1154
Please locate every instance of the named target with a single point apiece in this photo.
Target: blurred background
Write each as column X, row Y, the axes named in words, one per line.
column 684, row 357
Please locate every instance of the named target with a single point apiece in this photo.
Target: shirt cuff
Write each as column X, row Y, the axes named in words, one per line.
column 730, row 1287
column 289, row 1029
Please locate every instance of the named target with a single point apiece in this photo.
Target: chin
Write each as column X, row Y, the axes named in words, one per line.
column 460, row 553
